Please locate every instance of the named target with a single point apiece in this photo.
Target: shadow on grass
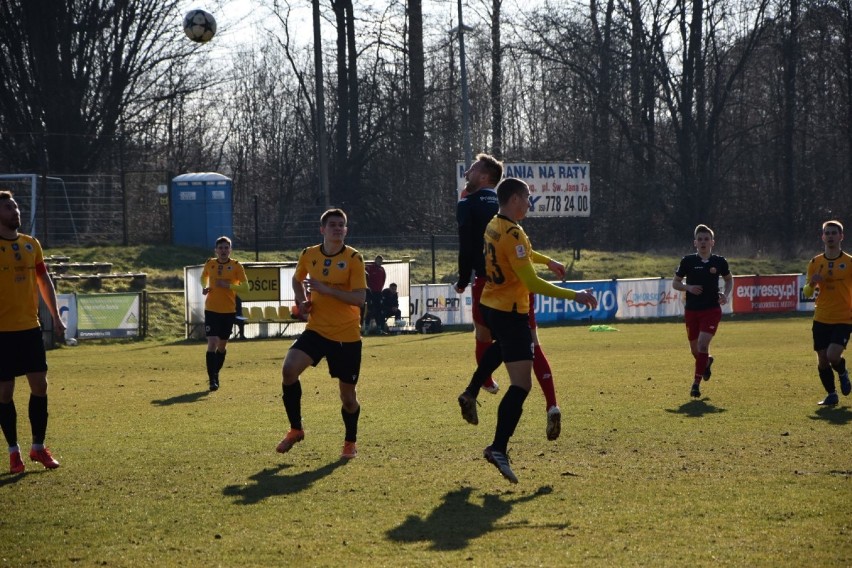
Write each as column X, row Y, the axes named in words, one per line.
column 696, row 408
column 268, row 483
column 12, row 478
column 833, row 415
column 181, row 398
column 457, row 521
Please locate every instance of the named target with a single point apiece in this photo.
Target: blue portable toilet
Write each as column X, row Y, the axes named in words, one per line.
column 202, row 209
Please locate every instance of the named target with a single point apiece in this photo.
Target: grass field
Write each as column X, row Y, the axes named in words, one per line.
column 156, row 471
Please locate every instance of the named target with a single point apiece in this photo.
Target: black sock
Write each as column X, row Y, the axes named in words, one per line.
column 840, row 367
column 827, row 377
column 508, row 415
column 350, row 422
column 38, row 417
column 9, row 422
column 220, row 360
column 292, row 398
column 212, row 372
column 489, row 362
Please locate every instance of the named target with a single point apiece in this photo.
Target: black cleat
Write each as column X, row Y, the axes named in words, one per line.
column 501, row 462
column 707, row 372
column 695, row 392
column 468, row 408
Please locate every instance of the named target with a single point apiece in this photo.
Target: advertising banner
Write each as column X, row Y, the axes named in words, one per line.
column 777, row 293
column 648, row 298
column 67, row 306
column 264, row 284
column 441, row 300
column 557, row 189
column 549, row 309
column 805, row 304
column 107, row 315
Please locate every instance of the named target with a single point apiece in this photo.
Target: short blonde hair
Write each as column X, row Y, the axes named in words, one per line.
column 703, row 229
column 835, row 223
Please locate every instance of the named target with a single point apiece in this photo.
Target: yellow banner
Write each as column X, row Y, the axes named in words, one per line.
column 264, row 285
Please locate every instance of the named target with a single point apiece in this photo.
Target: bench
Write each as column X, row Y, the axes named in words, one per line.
column 135, row 277
column 91, row 267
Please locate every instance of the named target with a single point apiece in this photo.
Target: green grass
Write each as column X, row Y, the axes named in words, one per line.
column 156, row 471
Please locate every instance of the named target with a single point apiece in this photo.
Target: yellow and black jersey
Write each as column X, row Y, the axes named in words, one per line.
column 834, row 303
column 506, row 248
column 222, row 300
column 330, row 317
column 20, row 258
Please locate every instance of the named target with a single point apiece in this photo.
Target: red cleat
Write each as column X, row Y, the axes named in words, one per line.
column 44, row 458
column 290, row 440
column 16, row 464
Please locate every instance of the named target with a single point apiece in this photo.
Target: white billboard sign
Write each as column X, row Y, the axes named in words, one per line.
column 557, row 189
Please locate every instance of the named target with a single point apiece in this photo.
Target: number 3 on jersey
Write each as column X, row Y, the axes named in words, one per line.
column 495, row 274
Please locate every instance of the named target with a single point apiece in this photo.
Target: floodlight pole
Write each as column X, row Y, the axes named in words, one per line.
column 465, row 102
column 322, row 158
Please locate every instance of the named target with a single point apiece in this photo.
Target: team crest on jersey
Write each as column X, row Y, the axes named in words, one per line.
column 712, row 270
column 842, row 266
column 341, row 264
column 520, row 251
column 29, row 247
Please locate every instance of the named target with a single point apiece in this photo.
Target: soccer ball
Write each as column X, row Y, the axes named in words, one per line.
column 199, row 26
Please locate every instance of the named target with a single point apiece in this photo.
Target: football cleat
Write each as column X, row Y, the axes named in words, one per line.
column 831, row 400
column 554, row 423
column 695, row 392
column 16, row 464
column 845, row 384
column 468, row 408
column 350, row 450
column 707, row 372
column 290, row 440
column 501, row 462
column 44, row 458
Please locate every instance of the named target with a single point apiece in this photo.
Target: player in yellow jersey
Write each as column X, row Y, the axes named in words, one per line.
column 333, row 273
column 221, row 280
column 505, row 308
column 831, row 273
column 23, row 276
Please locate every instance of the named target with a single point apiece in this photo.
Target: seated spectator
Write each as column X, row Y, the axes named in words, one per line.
column 390, row 305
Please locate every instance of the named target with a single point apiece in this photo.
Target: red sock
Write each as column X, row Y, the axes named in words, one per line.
column 482, row 347
column 700, row 365
column 545, row 378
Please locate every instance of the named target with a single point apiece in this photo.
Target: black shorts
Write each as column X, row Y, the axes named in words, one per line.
column 511, row 331
column 827, row 333
column 219, row 325
column 344, row 358
column 21, row 352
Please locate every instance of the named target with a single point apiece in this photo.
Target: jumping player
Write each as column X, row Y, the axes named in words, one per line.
column 703, row 310
column 477, row 206
column 505, row 310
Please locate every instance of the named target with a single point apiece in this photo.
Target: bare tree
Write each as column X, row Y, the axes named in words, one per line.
column 71, row 72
